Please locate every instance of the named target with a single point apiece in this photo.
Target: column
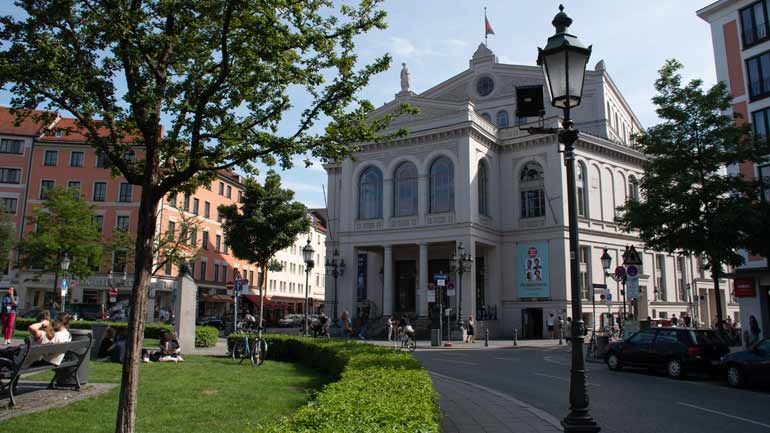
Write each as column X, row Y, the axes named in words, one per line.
column 469, row 282
column 387, row 287
column 422, row 283
column 387, row 202
column 423, row 199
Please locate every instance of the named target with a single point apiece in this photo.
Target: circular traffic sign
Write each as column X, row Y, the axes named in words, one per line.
column 620, row 272
column 632, row 271
column 230, row 285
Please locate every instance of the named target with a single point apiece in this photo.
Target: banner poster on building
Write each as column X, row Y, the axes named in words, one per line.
column 533, row 270
column 361, row 277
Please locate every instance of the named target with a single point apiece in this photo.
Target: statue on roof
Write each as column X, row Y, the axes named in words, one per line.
column 404, row 78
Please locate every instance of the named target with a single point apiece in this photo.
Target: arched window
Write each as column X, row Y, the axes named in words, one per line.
column 532, row 192
column 582, row 190
column 633, row 188
column 442, row 189
column 502, row 119
column 483, row 184
column 487, row 117
column 370, row 194
column 405, row 190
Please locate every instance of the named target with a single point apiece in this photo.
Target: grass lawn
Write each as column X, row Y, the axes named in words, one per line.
column 202, row 394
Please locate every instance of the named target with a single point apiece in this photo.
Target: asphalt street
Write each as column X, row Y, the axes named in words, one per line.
column 629, row 401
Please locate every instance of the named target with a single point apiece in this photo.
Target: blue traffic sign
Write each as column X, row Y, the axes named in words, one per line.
column 632, row 271
column 64, row 285
column 439, row 276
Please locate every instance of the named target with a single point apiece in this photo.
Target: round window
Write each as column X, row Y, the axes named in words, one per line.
column 484, row 86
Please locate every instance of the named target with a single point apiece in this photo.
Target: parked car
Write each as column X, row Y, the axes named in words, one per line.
column 678, row 351
column 35, row 313
column 748, row 367
column 291, row 320
column 212, row 321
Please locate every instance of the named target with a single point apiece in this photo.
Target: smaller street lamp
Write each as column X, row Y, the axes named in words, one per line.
column 460, row 263
column 65, row 265
column 336, row 268
column 307, row 255
column 606, row 264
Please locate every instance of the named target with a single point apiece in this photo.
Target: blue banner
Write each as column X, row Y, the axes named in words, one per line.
column 533, row 270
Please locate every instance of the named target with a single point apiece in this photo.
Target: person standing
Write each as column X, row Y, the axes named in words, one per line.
column 389, row 325
column 549, row 323
column 8, row 310
column 470, row 337
column 674, row 320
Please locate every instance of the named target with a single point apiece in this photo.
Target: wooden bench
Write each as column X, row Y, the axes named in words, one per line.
column 27, row 362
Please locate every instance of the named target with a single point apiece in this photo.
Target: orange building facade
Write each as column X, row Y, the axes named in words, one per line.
column 36, row 157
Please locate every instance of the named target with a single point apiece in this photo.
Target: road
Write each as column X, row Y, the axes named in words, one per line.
column 630, row 401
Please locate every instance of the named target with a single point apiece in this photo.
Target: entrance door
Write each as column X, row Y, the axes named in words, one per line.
column 405, row 286
column 532, row 322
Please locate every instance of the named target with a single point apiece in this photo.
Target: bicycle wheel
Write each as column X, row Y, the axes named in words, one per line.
column 259, row 353
column 237, row 351
column 411, row 345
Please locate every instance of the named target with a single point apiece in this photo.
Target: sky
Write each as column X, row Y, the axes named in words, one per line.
column 436, row 38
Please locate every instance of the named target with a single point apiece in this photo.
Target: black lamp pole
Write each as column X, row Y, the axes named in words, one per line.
column 335, row 268
column 307, row 255
column 564, row 60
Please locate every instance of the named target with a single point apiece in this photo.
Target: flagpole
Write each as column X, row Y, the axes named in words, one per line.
column 486, row 34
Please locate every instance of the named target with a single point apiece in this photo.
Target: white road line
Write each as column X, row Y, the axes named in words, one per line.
column 563, row 378
column 456, row 362
column 508, row 359
column 750, row 421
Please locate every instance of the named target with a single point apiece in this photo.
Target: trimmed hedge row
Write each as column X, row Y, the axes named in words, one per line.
column 376, row 390
column 205, row 336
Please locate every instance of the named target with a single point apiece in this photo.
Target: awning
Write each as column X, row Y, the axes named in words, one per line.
column 217, row 298
column 254, row 299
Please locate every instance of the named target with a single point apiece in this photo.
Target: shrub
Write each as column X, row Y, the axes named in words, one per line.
column 376, row 389
column 206, row 336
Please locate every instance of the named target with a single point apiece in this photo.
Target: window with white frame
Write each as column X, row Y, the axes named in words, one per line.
column 531, row 191
column 582, row 190
column 441, row 188
column 370, row 194
column 660, row 277
column 10, row 204
column 8, row 145
column 502, row 119
column 633, row 188
column 10, row 175
column 405, row 192
column 681, row 278
column 76, row 158
column 483, row 189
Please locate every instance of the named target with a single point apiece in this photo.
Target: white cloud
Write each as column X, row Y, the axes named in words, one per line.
column 404, row 48
column 301, row 186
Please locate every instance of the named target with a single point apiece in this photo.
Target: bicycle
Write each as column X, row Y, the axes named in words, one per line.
column 253, row 349
column 406, row 340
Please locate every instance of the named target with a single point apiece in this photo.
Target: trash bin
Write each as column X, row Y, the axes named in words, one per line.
column 435, row 337
column 70, row 378
column 601, row 345
column 98, row 329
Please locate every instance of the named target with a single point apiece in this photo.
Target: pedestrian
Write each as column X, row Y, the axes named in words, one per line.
column 8, row 309
column 470, row 338
column 347, row 325
column 560, row 324
column 549, row 323
column 389, row 326
column 687, row 320
column 754, row 331
column 674, row 320
column 569, row 326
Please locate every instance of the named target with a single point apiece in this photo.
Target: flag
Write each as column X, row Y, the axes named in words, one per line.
column 488, row 27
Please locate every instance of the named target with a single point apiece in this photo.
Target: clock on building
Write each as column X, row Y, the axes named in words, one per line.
column 484, row 86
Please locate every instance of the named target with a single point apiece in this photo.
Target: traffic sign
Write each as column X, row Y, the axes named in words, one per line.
column 632, row 287
column 439, row 277
column 632, row 271
column 230, row 285
column 631, row 257
column 431, row 296
column 620, row 272
column 441, row 283
column 64, row 285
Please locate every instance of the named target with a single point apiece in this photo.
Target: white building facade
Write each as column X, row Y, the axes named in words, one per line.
column 468, row 174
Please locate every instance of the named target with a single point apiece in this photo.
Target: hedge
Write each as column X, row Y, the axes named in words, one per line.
column 376, row 390
column 205, row 336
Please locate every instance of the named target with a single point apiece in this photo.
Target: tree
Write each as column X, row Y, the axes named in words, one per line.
column 267, row 221
column 217, row 72
column 691, row 204
column 64, row 224
column 7, row 239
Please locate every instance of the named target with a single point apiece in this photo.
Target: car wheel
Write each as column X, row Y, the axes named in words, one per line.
column 735, row 376
column 674, row 369
column 613, row 362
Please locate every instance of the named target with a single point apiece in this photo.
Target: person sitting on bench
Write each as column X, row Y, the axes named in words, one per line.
column 46, row 332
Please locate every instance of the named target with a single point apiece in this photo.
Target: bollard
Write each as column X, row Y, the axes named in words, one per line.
column 561, row 332
column 486, row 337
column 515, row 336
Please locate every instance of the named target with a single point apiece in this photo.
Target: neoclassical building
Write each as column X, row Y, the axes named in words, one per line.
column 470, row 173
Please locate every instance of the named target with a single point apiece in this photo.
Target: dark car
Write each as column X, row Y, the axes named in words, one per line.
column 748, row 367
column 675, row 350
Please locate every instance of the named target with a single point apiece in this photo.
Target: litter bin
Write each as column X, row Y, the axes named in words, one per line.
column 71, row 377
column 601, row 345
column 98, row 329
column 435, row 337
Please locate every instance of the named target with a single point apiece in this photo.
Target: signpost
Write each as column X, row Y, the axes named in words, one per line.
column 236, row 284
column 632, row 282
column 440, row 279
column 595, row 287
column 113, row 295
column 64, row 286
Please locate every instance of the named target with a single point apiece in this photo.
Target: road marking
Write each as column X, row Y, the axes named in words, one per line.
column 508, row 359
column 563, row 378
column 456, row 362
column 750, row 421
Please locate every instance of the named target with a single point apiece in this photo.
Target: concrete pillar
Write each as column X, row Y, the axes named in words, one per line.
column 387, row 202
column 423, row 199
column 422, row 283
column 184, row 312
column 387, row 299
column 469, row 282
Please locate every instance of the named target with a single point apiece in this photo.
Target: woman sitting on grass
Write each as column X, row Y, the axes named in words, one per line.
column 169, row 349
column 107, row 346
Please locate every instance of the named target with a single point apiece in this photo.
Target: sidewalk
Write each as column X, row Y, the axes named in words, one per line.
column 471, row 408
column 479, row 344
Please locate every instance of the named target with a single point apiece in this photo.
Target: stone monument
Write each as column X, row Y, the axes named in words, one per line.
column 184, row 309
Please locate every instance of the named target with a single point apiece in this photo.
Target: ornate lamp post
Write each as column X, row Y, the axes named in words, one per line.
column 564, row 61
column 460, row 263
column 335, row 268
column 307, row 255
column 606, row 264
column 65, row 265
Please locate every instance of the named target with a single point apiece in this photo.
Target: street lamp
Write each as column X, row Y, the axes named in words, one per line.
column 65, row 265
column 460, row 263
column 307, row 255
column 606, row 264
column 335, row 268
column 564, row 60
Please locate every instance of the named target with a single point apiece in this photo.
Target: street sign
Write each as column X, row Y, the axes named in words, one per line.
column 64, row 285
column 601, row 289
column 238, row 285
column 447, row 312
column 632, row 271
column 620, row 272
column 451, row 292
column 230, row 285
column 632, row 287
column 431, row 296
column 631, row 257
column 441, row 283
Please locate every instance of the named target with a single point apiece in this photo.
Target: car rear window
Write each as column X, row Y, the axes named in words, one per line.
column 706, row 337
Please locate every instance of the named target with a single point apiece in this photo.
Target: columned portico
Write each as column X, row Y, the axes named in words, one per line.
column 422, row 284
column 387, row 298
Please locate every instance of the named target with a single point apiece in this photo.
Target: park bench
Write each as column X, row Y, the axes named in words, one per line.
column 26, row 362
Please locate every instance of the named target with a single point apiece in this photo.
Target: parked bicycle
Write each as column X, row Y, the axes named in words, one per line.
column 405, row 339
column 254, row 349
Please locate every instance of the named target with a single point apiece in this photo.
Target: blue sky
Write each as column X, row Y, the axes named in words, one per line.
column 436, row 38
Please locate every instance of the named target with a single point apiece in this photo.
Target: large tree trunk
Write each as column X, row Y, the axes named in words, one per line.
column 143, row 260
